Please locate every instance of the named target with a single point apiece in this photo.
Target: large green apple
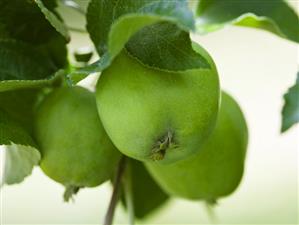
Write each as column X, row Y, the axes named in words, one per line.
column 217, row 169
column 76, row 150
column 153, row 115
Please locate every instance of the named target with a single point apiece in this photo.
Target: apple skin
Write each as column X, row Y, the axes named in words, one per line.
column 153, row 115
column 217, row 169
column 76, row 150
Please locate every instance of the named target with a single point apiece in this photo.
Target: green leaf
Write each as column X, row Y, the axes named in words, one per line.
column 290, row 111
column 16, row 127
column 23, row 65
column 16, row 120
column 20, row 105
column 112, row 23
column 19, row 162
column 20, row 61
column 275, row 16
column 56, row 50
column 3, row 33
column 147, row 195
column 28, row 42
column 156, row 39
column 54, row 21
column 23, row 20
column 12, row 132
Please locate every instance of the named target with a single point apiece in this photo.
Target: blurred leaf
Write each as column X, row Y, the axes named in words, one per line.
column 16, row 120
column 13, row 132
column 30, row 48
column 16, row 128
column 112, row 23
column 147, row 195
column 20, row 61
column 56, row 50
column 19, row 162
column 22, row 65
column 290, row 112
column 23, row 20
column 20, row 105
column 275, row 16
column 54, row 21
column 3, row 32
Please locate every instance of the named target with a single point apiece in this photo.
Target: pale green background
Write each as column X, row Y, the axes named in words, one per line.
column 257, row 68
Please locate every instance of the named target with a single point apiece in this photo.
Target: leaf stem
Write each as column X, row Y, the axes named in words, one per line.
column 128, row 194
column 116, row 191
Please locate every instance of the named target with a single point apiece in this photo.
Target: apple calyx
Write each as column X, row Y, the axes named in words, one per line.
column 160, row 148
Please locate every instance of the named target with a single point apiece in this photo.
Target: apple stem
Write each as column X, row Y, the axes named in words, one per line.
column 116, row 191
column 210, row 210
column 69, row 192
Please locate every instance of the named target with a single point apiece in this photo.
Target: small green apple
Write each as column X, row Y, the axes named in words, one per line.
column 76, row 150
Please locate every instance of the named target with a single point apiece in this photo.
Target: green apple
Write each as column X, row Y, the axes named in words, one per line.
column 217, row 169
column 153, row 115
column 76, row 150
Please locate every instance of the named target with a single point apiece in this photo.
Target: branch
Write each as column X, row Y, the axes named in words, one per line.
column 116, row 191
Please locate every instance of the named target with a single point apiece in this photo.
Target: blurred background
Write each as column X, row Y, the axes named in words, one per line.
column 257, row 68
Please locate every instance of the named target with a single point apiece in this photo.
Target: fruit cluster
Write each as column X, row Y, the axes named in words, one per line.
column 158, row 124
column 191, row 137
